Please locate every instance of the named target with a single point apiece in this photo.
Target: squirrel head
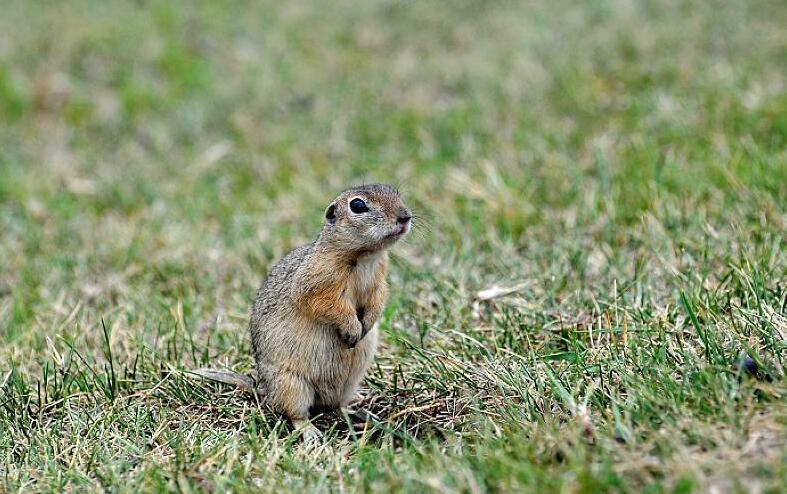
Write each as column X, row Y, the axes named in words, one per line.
column 366, row 218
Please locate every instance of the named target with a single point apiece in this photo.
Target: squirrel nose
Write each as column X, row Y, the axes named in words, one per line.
column 404, row 219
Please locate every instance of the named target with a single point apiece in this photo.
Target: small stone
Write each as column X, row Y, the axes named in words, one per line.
column 750, row 367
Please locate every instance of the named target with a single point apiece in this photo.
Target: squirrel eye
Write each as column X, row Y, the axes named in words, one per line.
column 357, row 206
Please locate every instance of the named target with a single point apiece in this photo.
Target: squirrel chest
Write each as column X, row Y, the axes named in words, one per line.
column 366, row 278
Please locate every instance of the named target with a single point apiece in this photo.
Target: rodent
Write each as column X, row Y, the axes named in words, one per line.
column 313, row 325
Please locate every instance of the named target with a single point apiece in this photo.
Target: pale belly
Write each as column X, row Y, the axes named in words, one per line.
column 336, row 383
column 317, row 355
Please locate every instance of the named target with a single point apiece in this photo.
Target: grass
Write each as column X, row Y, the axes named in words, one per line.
column 618, row 167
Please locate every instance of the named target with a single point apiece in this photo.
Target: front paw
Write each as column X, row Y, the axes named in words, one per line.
column 351, row 335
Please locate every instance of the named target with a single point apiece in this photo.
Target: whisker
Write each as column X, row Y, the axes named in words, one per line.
column 401, row 185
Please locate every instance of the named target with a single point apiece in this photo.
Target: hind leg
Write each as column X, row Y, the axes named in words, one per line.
column 293, row 396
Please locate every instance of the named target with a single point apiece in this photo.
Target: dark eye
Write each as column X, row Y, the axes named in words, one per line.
column 357, row 206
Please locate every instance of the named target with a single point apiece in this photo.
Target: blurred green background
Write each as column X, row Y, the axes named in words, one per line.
column 622, row 163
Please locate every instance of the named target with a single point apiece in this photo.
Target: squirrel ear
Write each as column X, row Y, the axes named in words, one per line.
column 330, row 214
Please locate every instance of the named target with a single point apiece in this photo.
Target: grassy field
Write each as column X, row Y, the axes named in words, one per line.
column 616, row 168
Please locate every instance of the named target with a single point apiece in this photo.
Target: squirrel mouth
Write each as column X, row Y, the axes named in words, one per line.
column 400, row 231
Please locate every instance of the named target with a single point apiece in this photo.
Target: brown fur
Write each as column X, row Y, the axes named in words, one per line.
column 314, row 323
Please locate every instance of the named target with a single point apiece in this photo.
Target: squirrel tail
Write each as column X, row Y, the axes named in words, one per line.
column 226, row 377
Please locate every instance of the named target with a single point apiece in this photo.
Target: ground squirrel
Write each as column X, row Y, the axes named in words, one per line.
column 314, row 323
